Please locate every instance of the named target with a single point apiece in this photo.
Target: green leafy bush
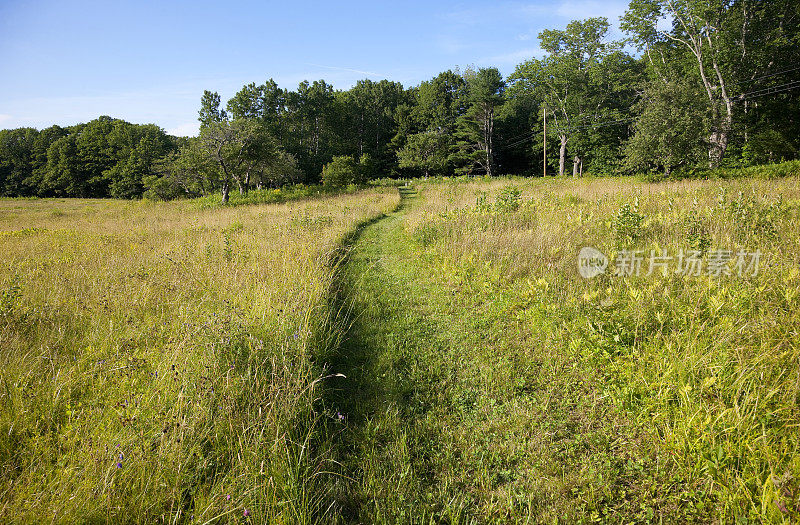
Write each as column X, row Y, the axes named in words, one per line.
column 342, row 171
column 627, row 223
column 765, row 171
column 508, row 200
column 697, row 234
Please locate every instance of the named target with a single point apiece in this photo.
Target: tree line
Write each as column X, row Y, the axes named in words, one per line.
column 695, row 84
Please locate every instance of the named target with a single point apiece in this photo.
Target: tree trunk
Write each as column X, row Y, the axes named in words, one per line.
column 718, row 141
column 703, row 42
column 562, row 154
column 225, row 192
column 576, row 160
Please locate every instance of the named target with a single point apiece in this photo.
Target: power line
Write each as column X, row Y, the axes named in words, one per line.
column 529, row 136
column 767, row 88
column 778, row 92
column 767, row 76
column 757, row 93
column 788, row 86
column 605, row 124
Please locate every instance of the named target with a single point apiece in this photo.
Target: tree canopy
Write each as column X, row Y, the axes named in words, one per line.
column 710, row 84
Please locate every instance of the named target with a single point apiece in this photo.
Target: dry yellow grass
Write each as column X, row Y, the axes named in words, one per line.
column 156, row 359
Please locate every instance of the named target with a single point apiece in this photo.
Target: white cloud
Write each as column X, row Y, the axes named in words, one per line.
column 189, row 129
column 5, row 118
column 349, row 70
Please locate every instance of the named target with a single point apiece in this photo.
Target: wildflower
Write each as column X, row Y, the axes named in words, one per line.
column 246, row 513
column 228, row 497
column 119, row 465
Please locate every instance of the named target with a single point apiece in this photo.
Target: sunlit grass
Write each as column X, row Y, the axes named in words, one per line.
column 156, row 359
column 162, row 361
column 682, row 392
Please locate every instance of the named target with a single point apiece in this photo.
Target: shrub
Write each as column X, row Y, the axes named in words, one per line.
column 342, row 171
column 627, row 223
column 697, row 234
column 508, row 200
column 367, row 169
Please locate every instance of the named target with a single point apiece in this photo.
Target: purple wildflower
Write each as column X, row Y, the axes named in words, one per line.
column 119, row 465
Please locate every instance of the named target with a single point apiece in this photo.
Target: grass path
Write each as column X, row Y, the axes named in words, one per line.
column 394, row 333
column 474, row 394
column 451, row 410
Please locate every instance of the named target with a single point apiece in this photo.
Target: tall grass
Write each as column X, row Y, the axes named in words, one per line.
column 663, row 397
column 275, row 195
column 156, row 359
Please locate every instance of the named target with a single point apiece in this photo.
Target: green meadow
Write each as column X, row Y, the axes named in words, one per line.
column 424, row 356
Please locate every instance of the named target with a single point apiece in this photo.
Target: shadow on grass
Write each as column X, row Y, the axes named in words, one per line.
column 354, row 389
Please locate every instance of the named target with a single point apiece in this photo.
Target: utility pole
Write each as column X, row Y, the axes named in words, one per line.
column 544, row 142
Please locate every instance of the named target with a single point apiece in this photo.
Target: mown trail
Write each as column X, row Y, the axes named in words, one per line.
column 382, row 402
column 442, row 416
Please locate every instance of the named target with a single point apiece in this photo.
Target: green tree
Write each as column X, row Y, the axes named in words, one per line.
column 576, row 82
column 670, row 128
column 64, row 177
column 16, row 161
column 369, row 120
column 210, row 111
column 729, row 48
column 266, row 103
column 127, row 176
column 188, row 172
column 342, row 170
column 238, row 150
column 427, row 152
column 441, row 101
column 475, row 132
column 313, row 126
column 279, row 169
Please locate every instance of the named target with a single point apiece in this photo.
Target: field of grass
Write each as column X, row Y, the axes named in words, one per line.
column 163, row 362
column 156, row 361
column 488, row 382
column 642, row 398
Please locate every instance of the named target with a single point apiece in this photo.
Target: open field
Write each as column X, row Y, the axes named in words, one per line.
column 491, row 383
column 158, row 358
column 155, row 359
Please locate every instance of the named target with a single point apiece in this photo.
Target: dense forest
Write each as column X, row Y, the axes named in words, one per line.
column 695, row 85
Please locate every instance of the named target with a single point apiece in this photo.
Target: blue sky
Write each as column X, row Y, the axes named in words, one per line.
column 68, row 62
